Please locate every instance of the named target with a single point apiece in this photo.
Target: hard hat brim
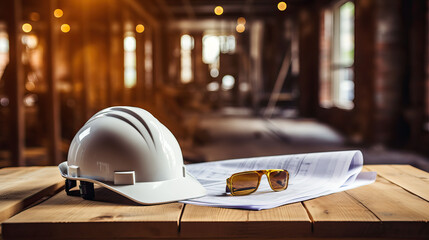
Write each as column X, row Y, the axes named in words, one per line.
column 148, row 193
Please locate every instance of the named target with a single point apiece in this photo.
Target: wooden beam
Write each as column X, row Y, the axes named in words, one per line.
column 158, row 67
column 14, row 83
column 86, row 90
column 200, row 69
column 140, row 65
column 109, row 39
column 152, row 7
column 201, row 25
column 279, row 84
column 235, row 9
column 116, row 59
column 166, row 9
column 149, row 68
column 256, row 77
column 54, row 129
column 189, row 9
column 134, row 5
column 248, row 7
column 308, row 81
column 364, row 69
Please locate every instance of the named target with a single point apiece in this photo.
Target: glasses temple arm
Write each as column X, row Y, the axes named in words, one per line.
column 228, row 182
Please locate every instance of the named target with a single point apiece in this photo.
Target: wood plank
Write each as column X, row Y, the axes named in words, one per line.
column 412, row 179
column 288, row 220
column 382, row 209
column 402, row 213
column 340, row 215
column 22, row 186
column 211, row 222
column 15, row 172
column 109, row 216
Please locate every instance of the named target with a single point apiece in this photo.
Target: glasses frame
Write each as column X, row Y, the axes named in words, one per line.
column 267, row 172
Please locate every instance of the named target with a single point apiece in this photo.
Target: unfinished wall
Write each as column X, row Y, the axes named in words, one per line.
column 389, row 71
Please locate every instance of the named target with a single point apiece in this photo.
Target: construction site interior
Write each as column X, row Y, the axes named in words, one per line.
column 230, row 78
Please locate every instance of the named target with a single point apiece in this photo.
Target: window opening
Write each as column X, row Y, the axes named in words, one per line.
column 130, row 71
column 4, row 50
column 213, row 46
column 186, row 46
column 337, row 56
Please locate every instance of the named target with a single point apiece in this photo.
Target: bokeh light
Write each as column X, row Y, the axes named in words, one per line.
column 58, row 13
column 214, row 72
column 139, row 28
column 26, row 27
column 240, row 28
column 282, row 6
column 4, row 101
column 228, row 82
column 218, row 10
column 213, row 86
column 65, row 28
column 241, row 20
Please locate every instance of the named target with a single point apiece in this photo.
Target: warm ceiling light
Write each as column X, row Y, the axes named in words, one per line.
column 241, row 20
column 139, row 28
column 26, row 27
column 240, row 28
column 218, row 10
column 65, row 28
column 282, row 6
column 58, row 13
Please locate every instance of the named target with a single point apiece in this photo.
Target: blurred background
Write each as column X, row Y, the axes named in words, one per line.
column 230, row 78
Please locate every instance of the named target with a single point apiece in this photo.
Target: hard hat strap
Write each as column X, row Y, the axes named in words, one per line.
column 87, row 190
column 69, row 185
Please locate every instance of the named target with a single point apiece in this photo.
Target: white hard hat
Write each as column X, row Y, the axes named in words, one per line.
column 128, row 151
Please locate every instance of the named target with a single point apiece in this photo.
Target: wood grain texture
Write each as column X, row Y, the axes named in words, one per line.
column 406, row 176
column 392, row 207
column 109, row 216
column 340, row 215
column 209, row 222
column 402, row 213
column 22, row 186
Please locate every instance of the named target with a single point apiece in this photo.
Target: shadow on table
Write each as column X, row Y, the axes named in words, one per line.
column 106, row 195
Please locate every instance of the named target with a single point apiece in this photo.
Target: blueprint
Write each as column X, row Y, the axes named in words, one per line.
column 311, row 175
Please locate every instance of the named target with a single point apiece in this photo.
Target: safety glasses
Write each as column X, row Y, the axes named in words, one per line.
column 244, row 183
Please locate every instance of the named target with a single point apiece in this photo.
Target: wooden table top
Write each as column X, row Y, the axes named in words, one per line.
column 22, row 186
column 395, row 206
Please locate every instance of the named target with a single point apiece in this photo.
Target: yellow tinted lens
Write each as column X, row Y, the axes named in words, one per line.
column 244, row 183
column 278, row 180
